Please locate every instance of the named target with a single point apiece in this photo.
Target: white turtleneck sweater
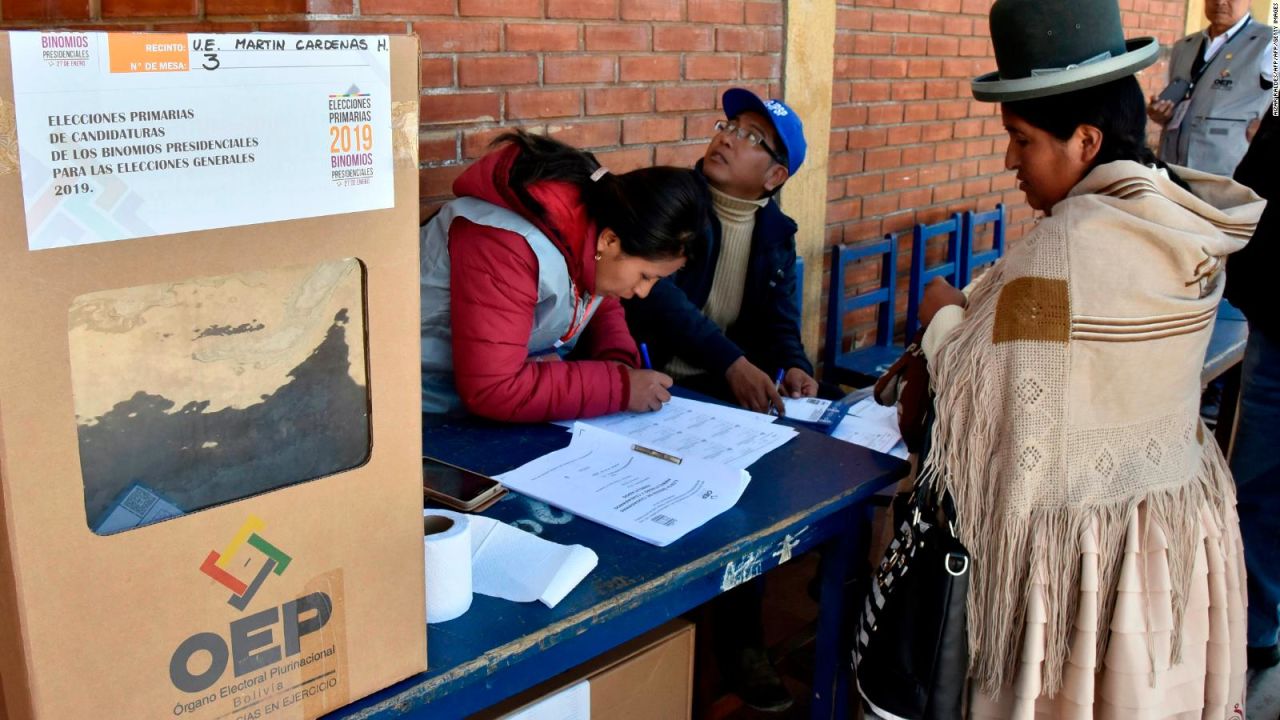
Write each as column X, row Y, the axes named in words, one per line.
column 737, row 222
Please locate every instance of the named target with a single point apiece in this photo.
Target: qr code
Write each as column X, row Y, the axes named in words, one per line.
column 664, row 520
column 138, row 501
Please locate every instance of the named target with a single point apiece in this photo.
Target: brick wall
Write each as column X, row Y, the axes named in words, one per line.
column 908, row 141
column 637, row 81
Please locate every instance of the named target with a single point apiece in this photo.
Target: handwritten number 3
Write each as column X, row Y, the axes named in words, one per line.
column 211, row 61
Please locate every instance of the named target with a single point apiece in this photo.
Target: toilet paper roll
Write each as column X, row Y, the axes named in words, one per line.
column 447, row 549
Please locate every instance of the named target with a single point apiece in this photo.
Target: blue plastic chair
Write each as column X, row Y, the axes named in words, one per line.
column 954, row 229
column 860, row 365
column 969, row 260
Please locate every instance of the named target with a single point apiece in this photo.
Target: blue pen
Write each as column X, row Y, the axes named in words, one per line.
column 644, row 355
column 777, row 381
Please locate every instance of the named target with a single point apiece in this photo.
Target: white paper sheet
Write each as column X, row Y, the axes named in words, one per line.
column 600, row 477
column 805, row 409
column 691, row 429
column 571, row 703
column 874, row 426
column 509, row 563
column 123, row 135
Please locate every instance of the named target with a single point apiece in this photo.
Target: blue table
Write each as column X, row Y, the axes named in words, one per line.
column 804, row 494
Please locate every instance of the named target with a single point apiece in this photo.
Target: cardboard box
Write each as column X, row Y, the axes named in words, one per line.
column 209, row 439
column 649, row 678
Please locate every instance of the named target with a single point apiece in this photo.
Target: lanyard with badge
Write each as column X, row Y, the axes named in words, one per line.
column 1224, row 81
column 577, row 322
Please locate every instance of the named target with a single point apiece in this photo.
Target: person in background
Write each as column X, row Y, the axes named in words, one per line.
column 521, row 276
column 1206, row 127
column 1254, row 461
column 727, row 323
column 1099, row 513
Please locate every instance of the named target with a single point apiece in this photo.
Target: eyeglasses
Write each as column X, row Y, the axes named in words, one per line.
column 752, row 137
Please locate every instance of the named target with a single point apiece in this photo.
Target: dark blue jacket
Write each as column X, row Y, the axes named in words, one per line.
column 1251, row 272
column 767, row 331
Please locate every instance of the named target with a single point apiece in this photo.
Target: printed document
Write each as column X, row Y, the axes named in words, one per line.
column 636, row 489
column 692, row 429
column 874, row 426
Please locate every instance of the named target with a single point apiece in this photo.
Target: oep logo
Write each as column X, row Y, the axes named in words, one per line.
column 250, row 642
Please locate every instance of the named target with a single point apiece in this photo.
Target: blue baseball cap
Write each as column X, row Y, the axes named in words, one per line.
column 786, row 122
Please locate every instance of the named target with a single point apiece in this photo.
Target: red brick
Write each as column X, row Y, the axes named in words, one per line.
column 147, row 8
column 846, row 163
column 840, row 93
column 740, row 39
column 617, row 37
column 880, row 204
column 910, row 45
column 616, row 101
column 991, row 166
column 764, row 13
column 443, row 37
column 968, row 128
column 651, row 10
column 667, row 38
column 334, row 27
column 435, row 72
column 903, row 91
column 636, row 131
column 507, row 70
column 500, row 8
column 835, row 190
column 710, row 67
column 884, row 114
column 866, row 138
column 438, row 147
column 240, row 7
column 920, row 68
column 58, row 10
column 890, row 22
column 729, row 12
column 848, row 116
column 679, row 155
column 403, row 7
column 686, row 98
column 541, row 37
column 933, row 175
column 903, row 135
column 948, row 46
column 882, row 68
column 543, row 103
column 883, row 158
column 701, row 126
column 917, row 112
column 197, row 27
column 761, row 66
column 773, row 40
column 868, row 44
column 844, row 210
column 926, row 24
column 919, row 155
column 949, row 151
column 977, row 187
column 640, row 68
column 595, row 134
column 975, row 7
column 953, row 110
column 345, row 7
column 935, row 89
column 975, row 47
column 957, row 26
column 469, row 107
column 867, row 92
column 620, row 161
column 438, row 181
column 864, row 185
column 584, row 9
column 850, row 19
column 559, row 70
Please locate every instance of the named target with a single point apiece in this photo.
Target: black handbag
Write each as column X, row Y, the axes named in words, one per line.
column 911, row 652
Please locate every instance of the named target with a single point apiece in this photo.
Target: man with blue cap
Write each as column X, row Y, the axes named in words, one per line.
column 727, row 324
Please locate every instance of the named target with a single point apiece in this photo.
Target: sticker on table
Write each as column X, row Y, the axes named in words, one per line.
column 128, row 135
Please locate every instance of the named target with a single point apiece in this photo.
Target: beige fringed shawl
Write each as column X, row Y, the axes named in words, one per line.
column 1070, row 394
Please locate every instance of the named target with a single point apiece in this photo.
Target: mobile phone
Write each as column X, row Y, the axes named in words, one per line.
column 1176, row 90
column 457, row 487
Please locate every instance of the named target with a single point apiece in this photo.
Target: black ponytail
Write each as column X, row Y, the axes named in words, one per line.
column 657, row 212
column 1117, row 108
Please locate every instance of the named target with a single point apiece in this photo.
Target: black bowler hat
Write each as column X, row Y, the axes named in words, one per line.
column 1051, row 47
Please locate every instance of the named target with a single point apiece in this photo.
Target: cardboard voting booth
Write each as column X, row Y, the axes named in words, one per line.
column 210, row 501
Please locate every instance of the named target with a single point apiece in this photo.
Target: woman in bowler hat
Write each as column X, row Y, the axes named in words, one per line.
column 1100, row 514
